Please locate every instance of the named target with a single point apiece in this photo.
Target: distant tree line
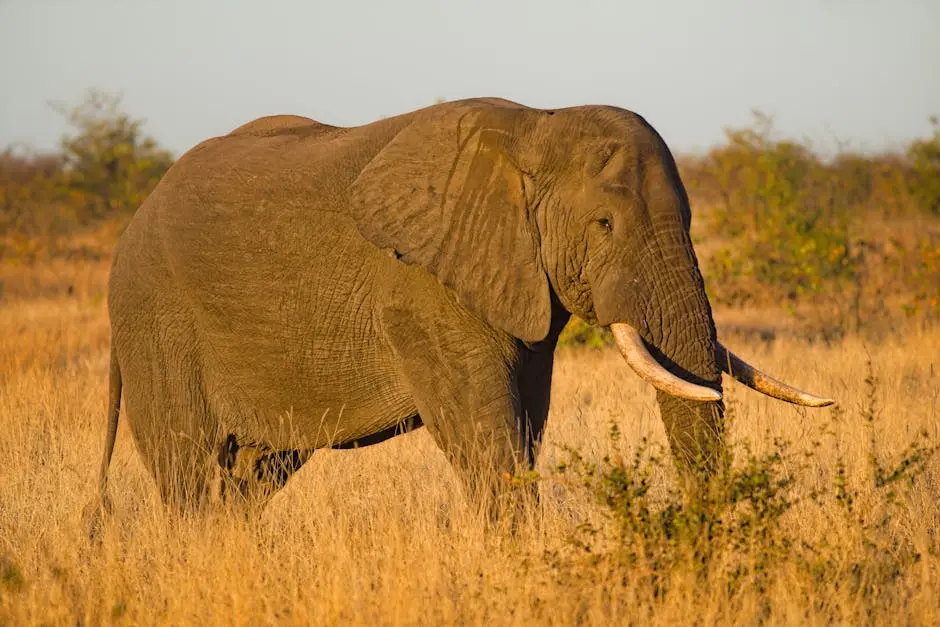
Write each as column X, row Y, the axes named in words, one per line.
column 774, row 221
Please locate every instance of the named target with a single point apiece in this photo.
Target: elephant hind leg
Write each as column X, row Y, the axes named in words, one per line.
column 535, row 379
column 174, row 437
column 181, row 469
column 252, row 473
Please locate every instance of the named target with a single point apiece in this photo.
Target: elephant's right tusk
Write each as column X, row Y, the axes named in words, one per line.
column 762, row 382
column 645, row 365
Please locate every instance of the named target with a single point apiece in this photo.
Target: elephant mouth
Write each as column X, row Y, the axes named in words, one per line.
column 638, row 357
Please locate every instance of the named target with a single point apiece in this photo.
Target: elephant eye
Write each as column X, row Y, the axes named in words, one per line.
column 606, row 225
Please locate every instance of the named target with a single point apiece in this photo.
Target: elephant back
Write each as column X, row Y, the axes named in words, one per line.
column 281, row 125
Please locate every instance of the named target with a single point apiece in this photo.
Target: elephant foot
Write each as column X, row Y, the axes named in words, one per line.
column 94, row 516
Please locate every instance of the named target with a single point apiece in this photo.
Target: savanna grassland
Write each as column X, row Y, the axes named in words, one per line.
column 825, row 533
column 827, row 516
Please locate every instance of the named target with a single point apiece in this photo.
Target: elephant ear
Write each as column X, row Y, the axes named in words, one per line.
column 446, row 194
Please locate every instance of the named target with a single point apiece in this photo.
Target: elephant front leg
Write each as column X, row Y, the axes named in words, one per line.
column 485, row 444
column 464, row 383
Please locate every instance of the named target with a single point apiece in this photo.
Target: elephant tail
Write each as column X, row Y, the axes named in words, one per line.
column 94, row 512
column 115, row 387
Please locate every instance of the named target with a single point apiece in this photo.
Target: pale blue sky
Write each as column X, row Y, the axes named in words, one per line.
column 865, row 71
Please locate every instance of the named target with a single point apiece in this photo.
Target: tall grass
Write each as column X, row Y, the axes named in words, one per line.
column 827, row 516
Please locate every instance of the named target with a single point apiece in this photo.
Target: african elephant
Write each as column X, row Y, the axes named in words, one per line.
column 293, row 286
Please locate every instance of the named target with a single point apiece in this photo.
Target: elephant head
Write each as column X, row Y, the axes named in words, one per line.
column 525, row 212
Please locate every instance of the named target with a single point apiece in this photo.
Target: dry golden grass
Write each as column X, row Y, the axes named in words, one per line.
column 382, row 535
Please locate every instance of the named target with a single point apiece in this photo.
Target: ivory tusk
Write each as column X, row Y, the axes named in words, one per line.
column 631, row 346
column 753, row 378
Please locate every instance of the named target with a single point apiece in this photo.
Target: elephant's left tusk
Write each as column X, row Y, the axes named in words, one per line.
column 638, row 357
column 753, row 378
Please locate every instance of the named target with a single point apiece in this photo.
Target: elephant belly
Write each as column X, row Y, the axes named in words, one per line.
column 334, row 408
column 293, row 352
column 305, row 366
column 285, row 303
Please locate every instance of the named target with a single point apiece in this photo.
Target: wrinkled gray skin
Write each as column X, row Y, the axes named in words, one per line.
column 293, row 286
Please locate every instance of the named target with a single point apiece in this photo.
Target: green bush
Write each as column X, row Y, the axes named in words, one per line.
column 738, row 531
column 579, row 333
column 925, row 159
column 921, row 265
column 104, row 170
column 109, row 161
column 784, row 217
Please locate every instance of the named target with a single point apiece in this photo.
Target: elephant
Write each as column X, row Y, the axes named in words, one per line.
column 293, row 286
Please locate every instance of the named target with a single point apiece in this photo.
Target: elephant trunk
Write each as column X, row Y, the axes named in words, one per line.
column 685, row 344
column 692, row 413
column 667, row 335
